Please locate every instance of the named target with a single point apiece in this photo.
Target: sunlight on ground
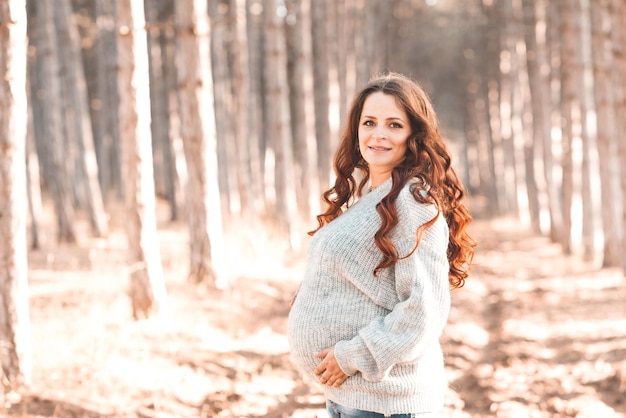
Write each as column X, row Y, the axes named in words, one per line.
column 532, row 334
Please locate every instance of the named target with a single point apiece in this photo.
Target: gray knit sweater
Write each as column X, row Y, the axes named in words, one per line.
column 385, row 329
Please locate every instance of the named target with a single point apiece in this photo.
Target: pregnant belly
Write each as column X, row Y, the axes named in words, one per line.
column 307, row 335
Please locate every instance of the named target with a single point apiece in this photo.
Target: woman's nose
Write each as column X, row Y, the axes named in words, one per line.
column 379, row 133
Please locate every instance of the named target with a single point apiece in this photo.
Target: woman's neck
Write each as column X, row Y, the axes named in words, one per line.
column 376, row 179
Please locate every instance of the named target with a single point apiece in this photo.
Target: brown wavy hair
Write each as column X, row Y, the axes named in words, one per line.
column 427, row 162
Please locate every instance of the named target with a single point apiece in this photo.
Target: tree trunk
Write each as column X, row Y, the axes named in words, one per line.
column 60, row 184
column 241, row 104
column 551, row 162
column 321, row 92
column 107, row 124
column 173, row 153
column 606, row 128
column 374, row 53
column 361, row 48
column 589, row 165
column 344, row 29
column 33, row 181
column 507, row 114
column 538, row 87
column 619, row 46
column 14, row 316
column 570, row 102
column 197, row 117
column 277, row 107
column 224, row 110
column 300, row 98
column 254, row 103
column 147, row 284
column 164, row 164
column 78, row 117
column 490, row 124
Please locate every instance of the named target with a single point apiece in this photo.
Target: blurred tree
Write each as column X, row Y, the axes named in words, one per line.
column 54, row 140
column 257, row 135
column 33, row 183
column 159, row 16
column 198, row 133
column 106, row 122
column 223, row 89
column 298, row 31
column 483, row 52
column 147, row 285
column 278, row 120
column 588, row 166
column 14, row 316
column 570, row 105
column 603, row 64
column 321, row 95
column 79, row 134
column 539, row 85
column 525, row 141
column 246, row 144
column 619, row 45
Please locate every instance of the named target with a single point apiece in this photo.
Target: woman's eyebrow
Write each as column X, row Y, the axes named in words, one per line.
column 390, row 118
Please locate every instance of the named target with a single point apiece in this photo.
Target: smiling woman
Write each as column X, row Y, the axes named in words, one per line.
column 375, row 297
column 383, row 132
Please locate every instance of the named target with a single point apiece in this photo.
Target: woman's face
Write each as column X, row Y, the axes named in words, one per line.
column 383, row 132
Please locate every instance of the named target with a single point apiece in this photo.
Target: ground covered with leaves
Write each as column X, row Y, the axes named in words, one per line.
column 532, row 334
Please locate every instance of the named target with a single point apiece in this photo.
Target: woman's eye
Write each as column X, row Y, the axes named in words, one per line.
column 368, row 123
column 396, row 125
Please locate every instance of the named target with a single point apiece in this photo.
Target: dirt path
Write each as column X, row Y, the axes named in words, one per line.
column 537, row 334
column 533, row 334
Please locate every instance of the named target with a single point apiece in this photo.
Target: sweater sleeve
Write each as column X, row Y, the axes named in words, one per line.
column 422, row 288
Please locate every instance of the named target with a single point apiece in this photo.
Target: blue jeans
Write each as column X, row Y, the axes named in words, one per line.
column 339, row 411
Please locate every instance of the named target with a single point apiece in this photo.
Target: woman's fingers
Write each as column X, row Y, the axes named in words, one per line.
column 328, row 370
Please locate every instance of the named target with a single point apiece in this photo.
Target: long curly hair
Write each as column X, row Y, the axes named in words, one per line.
column 427, row 162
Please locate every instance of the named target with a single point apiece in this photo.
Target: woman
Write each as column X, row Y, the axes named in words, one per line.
column 375, row 297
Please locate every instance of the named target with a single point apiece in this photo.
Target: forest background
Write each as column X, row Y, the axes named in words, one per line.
column 161, row 162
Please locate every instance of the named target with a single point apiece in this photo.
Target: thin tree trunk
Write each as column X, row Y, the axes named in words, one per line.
column 300, row 97
column 507, row 96
column 254, row 105
column 241, row 87
column 619, row 46
column 343, row 25
column 373, row 44
column 525, row 183
column 60, row 191
column 164, row 164
column 224, row 109
column 147, row 283
column 361, row 47
column 538, row 88
column 490, row 124
column 14, row 317
column 569, row 105
column 606, row 128
column 80, row 121
column 197, row 120
column 277, row 107
column 107, row 133
column 551, row 162
column 173, row 155
column 321, row 92
column 589, row 166
column 33, row 181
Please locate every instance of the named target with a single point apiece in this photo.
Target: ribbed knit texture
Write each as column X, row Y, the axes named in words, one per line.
column 385, row 329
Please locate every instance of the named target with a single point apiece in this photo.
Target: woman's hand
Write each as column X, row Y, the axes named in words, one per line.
column 328, row 370
column 294, row 296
